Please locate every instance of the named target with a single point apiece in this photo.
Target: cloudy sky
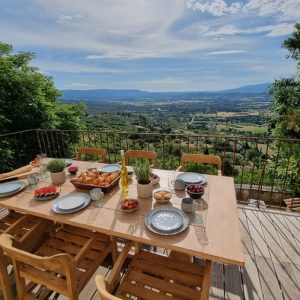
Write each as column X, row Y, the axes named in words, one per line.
column 155, row 45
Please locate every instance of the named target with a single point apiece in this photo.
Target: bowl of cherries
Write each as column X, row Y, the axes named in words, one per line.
column 195, row 191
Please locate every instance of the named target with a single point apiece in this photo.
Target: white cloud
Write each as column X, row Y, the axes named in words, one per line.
column 283, row 9
column 214, row 7
column 225, row 52
column 270, row 30
column 63, row 19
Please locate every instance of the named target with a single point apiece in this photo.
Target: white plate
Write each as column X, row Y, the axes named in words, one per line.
column 110, row 168
column 166, row 220
column 192, row 178
column 10, row 188
column 70, row 203
column 86, row 200
column 68, row 162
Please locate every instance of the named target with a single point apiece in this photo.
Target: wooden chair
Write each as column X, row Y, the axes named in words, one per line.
column 201, row 158
column 64, row 263
column 28, row 231
column 153, row 276
column 292, row 204
column 151, row 155
column 98, row 152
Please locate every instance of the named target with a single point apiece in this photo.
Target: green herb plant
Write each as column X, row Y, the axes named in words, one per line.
column 142, row 171
column 56, row 165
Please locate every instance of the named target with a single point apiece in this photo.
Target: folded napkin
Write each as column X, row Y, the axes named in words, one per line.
column 16, row 172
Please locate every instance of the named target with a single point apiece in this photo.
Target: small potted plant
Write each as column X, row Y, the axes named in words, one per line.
column 142, row 172
column 56, row 167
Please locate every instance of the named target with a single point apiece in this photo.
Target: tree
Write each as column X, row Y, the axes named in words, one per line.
column 29, row 100
column 285, row 119
column 292, row 44
column 285, row 111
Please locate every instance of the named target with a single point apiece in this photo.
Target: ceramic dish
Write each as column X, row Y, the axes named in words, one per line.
column 192, row 178
column 85, row 197
column 162, row 196
column 129, row 201
column 166, row 220
column 11, row 188
column 68, row 162
column 113, row 168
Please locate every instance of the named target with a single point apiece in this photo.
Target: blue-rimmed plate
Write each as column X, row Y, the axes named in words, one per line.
column 85, row 199
column 111, row 168
column 166, row 220
column 10, row 188
column 192, row 178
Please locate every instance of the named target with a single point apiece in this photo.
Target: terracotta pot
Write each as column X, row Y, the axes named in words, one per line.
column 144, row 190
column 58, row 178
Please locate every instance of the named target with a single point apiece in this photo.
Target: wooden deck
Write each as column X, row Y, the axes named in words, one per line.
column 271, row 242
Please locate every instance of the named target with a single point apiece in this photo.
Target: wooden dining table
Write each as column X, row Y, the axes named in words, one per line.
column 213, row 232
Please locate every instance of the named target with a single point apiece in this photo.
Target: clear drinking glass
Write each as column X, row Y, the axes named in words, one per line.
column 98, row 196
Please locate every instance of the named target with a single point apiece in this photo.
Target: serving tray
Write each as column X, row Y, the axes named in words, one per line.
column 105, row 189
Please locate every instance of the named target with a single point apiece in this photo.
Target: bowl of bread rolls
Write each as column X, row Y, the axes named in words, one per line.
column 93, row 178
column 162, row 196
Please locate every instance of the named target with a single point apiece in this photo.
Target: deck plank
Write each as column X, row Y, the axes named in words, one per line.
column 251, row 281
column 258, row 240
column 288, row 282
column 288, row 242
column 245, row 233
column 217, row 282
column 268, row 279
column 271, row 237
column 233, row 283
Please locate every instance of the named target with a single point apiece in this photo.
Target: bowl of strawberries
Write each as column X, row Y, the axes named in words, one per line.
column 129, row 205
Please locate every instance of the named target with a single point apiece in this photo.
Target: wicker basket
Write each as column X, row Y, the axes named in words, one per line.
column 105, row 189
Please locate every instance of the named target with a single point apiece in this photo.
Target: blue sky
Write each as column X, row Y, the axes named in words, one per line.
column 154, row 45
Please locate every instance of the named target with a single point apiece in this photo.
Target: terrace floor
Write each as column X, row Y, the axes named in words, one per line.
column 271, row 242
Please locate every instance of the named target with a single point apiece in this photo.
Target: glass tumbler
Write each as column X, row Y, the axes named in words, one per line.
column 98, row 196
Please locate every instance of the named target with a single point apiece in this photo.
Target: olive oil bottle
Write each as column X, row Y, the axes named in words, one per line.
column 124, row 181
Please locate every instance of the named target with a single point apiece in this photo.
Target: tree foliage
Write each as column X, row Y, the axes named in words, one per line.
column 284, row 120
column 29, row 100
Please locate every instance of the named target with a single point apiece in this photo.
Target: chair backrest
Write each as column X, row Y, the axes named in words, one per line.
column 100, row 153
column 152, row 155
column 28, row 232
column 101, row 286
column 40, row 270
column 201, row 158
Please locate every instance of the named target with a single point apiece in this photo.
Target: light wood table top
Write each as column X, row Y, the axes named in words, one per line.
column 213, row 233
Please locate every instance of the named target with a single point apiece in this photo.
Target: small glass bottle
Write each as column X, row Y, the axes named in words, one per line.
column 124, row 181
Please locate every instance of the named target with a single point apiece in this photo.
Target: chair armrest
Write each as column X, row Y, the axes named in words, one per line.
column 114, row 276
column 179, row 169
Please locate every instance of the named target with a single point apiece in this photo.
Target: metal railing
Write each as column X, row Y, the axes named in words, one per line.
column 263, row 168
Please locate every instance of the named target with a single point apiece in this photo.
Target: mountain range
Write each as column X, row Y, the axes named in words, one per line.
column 115, row 94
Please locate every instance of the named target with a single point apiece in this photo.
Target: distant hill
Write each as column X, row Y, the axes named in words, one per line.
column 114, row 94
column 256, row 89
